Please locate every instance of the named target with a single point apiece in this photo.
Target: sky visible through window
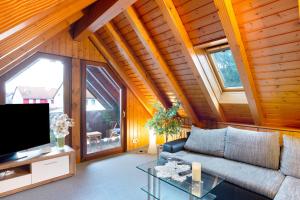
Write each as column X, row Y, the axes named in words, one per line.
column 44, row 73
column 227, row 69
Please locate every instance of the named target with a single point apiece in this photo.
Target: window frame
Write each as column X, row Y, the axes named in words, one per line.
column 123, row 110
column 214, row 49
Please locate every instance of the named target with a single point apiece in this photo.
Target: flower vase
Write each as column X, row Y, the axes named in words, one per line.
column 60, row 142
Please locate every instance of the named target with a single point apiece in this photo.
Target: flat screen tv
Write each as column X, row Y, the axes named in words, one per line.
column 22, row 126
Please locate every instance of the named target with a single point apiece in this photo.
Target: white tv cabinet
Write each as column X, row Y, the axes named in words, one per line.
column 36, row 170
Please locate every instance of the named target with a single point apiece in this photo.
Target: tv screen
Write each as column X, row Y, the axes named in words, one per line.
column 23, row 126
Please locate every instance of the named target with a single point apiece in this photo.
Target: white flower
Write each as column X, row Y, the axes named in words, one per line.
column 60, row 125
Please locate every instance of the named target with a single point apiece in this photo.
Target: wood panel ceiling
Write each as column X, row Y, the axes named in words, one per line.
column 140, row 52
column 201, row 20
column 121, row 59
column 160, row 32
column 166, row 69
column 12, row 12
column 271, row 33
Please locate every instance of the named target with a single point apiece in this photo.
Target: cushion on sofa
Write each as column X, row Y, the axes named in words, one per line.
column 257, row 148
column 209, row 142
column 290, row 158
column 257, row 179
column 289, row 190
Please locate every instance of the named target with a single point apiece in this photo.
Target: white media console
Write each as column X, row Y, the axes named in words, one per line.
column 36, row 169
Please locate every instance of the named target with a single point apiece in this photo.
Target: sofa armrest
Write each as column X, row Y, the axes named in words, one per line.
column 175, row 145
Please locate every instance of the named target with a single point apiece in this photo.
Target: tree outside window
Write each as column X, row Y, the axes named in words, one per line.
column 225, row 67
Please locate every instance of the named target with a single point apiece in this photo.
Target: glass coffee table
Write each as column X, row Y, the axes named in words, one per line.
column 168, row 188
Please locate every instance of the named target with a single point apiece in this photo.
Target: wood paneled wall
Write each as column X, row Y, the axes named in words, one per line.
column 239, row 113
column 64, row 45
column 137, row 116
column 282, row 131
column 271, row 34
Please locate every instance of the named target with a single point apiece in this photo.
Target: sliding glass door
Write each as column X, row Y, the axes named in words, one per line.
column 102, row 112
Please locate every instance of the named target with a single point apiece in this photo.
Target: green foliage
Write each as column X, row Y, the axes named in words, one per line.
column 165, row 121
column 226, row 66
column 111, row 117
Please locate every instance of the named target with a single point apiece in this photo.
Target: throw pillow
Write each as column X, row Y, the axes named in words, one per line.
column 204, row 141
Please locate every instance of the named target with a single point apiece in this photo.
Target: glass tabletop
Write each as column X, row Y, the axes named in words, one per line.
column 197, row 190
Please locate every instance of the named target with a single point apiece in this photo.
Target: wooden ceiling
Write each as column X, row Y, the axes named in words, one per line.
column 156, row 46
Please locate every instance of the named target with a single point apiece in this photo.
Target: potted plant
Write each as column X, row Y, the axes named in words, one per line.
column 165, row 121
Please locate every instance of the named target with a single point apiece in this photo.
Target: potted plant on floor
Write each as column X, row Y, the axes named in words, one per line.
column 164, row 122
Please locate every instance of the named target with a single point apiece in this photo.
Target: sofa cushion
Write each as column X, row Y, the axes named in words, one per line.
column 257, row 148
column 289, row 190
column 211, row 142
column 290, row 160
column 257, row 179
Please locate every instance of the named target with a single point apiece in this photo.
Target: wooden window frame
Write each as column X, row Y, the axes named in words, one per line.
column 224, row 95
column 215, row 70
column 67, row 79
column 108, row 152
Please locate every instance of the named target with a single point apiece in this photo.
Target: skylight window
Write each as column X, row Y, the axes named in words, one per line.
column 225, row 67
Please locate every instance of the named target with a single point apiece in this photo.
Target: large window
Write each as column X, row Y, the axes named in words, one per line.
column 102, row 111
column 225, row 67
column 40, row 79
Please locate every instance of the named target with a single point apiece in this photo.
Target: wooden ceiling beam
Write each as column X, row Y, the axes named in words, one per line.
column 196, row 64
column 108, row 55
column 33, row 31
column 149, row 44
column 16, row 57
column 97, row 15
column 230, row 26
column 137, row 67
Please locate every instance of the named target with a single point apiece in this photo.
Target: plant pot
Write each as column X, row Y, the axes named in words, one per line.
column 60, row 142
